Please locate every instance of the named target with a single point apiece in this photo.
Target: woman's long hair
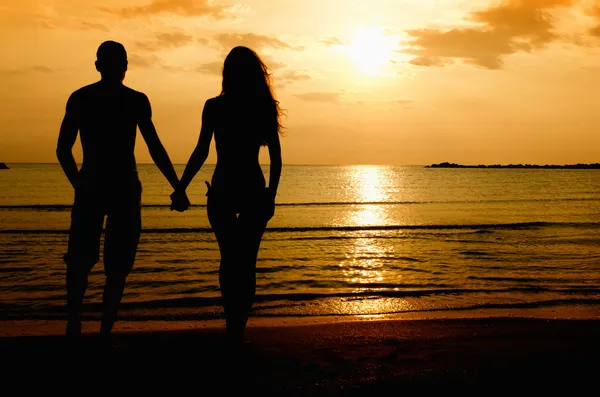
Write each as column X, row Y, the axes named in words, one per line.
column 246, row 77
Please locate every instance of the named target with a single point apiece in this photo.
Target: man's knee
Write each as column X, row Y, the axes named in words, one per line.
column 80, row 264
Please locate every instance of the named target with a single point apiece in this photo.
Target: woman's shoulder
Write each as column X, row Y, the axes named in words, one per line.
column 214, row 104
column 214, row 100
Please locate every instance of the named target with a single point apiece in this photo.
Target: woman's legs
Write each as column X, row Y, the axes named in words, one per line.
column 251, row 228
column 239, row 240
column 223, row 221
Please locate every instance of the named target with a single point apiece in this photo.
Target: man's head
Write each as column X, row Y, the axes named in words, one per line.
column 111, row 60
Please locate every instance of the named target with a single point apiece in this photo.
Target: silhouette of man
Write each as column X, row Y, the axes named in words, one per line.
column 106, row 114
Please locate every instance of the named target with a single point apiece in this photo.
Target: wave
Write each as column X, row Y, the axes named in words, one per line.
column 478, row 227
column 65, row 207
column 199, row 302
column 210, row 308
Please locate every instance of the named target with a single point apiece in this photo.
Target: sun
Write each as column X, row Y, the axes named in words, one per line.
column 371, row 50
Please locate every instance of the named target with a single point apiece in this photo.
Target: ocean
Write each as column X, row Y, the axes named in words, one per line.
column 344, row 241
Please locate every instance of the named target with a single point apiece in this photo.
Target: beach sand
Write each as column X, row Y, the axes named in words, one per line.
column 369, row 357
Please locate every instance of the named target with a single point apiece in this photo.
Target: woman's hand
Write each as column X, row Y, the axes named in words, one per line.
column 179, row 201
column 268, row 203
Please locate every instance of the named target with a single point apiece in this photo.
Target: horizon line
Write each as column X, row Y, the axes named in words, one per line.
column 325, row 164
column 304, row 164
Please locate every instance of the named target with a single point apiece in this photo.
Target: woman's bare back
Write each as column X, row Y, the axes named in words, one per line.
column 236, row 126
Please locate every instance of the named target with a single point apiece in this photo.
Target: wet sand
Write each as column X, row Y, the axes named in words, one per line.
column 343, row 358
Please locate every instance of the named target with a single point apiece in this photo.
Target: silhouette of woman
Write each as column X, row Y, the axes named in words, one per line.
column 244, row 117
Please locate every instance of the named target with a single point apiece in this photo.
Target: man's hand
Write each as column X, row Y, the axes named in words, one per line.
column 179, row 201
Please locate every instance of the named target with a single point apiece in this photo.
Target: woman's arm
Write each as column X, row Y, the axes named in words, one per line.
column 200, row 153
column 275, row 168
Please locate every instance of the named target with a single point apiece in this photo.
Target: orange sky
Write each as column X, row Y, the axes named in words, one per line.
column 363, row 81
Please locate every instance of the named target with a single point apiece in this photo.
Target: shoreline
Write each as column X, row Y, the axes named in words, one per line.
column 38, row 327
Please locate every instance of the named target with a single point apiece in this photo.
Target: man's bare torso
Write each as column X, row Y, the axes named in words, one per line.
column 108, row 116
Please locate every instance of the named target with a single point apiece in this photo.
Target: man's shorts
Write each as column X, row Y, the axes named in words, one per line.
column 122, row 208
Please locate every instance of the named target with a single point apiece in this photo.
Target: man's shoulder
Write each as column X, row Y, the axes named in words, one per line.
column 95, row 90
column 138, row 100
column 81, row 96
column 135, row 94
column 85, row 90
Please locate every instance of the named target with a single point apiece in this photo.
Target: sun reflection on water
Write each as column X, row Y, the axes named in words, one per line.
column 365, row 271
column 363, row 264
column 369, row 215
column 372, row 308
column 368, row 184
column 364, row 267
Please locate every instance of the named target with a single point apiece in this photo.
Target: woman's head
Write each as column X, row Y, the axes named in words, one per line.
column 245, row 76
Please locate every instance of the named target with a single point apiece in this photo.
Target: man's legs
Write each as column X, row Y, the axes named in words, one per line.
column 123, row 227
column 83, row 253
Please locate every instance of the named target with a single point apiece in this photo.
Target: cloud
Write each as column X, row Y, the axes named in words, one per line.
column 186, row 8
column 331, row 41
column 293, row 75
column 214, row 68
column 594, row 69
column 42, row 69
column 290, row 76
column 166, row 41
column 330, row 97
column 272, row 63
column 94, row 26
column 594, row 12
column 42, row 15
column 429, row 61
column 252, row 40
column 28, row 70
column 527, row 19
column 47, row 17
column 514, row 26
column 152, row 61
column 435, row 48
column 144, row 61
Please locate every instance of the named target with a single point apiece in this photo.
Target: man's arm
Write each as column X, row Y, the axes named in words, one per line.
column 155, row 147
column 200, row 153
column 66, row 140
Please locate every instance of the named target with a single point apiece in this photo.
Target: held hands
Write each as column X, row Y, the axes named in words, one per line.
column 179, row 201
